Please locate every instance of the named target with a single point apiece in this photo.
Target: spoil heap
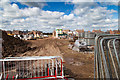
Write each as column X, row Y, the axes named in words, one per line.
column 12, row 46
column 44, row 47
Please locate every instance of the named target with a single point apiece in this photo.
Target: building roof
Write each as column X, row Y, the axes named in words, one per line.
column 35, row 32
column 80, row 31
column 98, row 31
column 116, row 31
column 66, row 30
column 110, row 31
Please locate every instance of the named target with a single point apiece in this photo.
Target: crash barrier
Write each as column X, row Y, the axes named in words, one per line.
column 47, row 67
column 107, row 57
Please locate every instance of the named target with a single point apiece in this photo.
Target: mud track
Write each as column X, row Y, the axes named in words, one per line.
column 77, row 65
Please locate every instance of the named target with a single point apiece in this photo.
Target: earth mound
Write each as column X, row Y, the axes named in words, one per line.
column 12, row 46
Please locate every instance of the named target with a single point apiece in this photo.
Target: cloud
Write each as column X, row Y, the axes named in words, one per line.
column 35, row 4
column 51, row 14
column 14, row 12
column 96, row 17
column 76, row 1
column 80, row 11
column 34, row 18
column 29, row 11
column 68, row 17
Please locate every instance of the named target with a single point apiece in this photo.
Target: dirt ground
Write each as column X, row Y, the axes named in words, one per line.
column 77, row 64
column 12, row 46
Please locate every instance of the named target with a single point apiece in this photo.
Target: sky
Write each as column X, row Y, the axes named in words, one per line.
column 47, row 16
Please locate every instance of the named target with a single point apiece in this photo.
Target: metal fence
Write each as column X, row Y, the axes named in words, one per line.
column 107, row 57
column 31, row 67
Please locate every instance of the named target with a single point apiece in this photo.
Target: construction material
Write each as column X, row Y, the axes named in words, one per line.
column 79, row 46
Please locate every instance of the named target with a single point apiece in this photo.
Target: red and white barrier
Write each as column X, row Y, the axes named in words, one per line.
column 47, row 67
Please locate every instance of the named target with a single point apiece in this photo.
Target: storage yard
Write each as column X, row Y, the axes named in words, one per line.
column 77, row 64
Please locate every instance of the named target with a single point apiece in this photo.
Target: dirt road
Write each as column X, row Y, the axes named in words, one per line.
column 77, row 65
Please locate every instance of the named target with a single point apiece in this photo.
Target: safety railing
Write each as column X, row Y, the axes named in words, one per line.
column 15, row 68
column 107, row 57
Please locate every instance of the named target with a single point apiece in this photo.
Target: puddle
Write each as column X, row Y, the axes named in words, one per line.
column 78, row 64
column 72, row 62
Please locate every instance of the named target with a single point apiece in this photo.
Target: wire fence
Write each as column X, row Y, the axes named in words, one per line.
column 31, row 67
column 107, row 57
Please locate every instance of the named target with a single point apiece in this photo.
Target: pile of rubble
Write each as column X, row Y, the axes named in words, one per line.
column 79, row 46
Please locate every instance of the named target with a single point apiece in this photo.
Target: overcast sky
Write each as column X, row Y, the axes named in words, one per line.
column 69, row 14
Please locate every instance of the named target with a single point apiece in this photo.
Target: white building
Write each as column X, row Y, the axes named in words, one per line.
column 58, row 31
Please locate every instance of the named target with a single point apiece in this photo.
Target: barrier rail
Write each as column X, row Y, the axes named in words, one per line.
column 107, row 57
column 47, row 67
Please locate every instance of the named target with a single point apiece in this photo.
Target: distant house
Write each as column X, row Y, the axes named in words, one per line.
column 66, row 31
column 70, row 33
column 57, row 32
column 97, row 31
column 17, row 32
column 113, row 32
column 64, row 36
column 109, row 32
column 77, row 32
column 9, row 32
column 54, row 34
column 60, row 33
column 88, row 37
column 47, row 34
column 28, row 35
column 116, row 31
column 36, row 34
column 25, row 32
